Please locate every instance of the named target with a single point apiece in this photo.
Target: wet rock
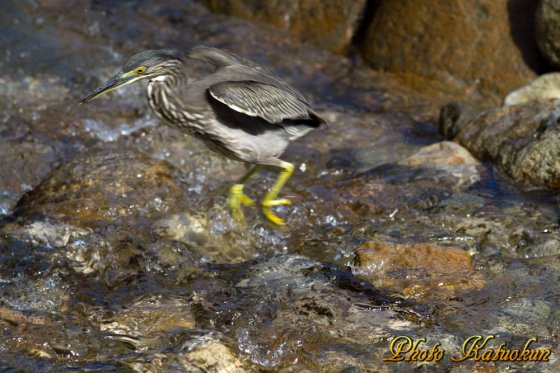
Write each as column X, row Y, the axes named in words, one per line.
column 29, row 162
column 448, row 158
column 454, row 46
column 501, row 234
column 63, row 286
column 283, row 295
column 45, row 233
column 421, row 271
column 528, row 314
column 104, row 187
column 111, row 257
column 547, row 30
column 543, row 88
column 194, row 351
column 455, row 115
column 331, row 24
column 213, row 356
column 522, row 140
column 189, row 229
column 148, row 320
column 212, row 235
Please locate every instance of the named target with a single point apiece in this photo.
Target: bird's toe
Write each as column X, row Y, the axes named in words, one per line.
column 237, row 199
column 246, row 201
column 276, row 202
column 267, row 211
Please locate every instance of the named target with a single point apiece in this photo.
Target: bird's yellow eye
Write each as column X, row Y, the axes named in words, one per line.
column 140, row 70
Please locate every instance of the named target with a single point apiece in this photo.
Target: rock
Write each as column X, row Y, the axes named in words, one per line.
column 454, row 46
column 212, row 356
column 421, row 271
column 522, row 140
column 543, row 88
column 455, row 115
column 189, row 229
column 195, row 351
column 194, row 231
column 283, row 295
column 146, row 319
column 449, row 158
column 30, row 162
column 330, row 24
column 105, row 186
column 547, row 30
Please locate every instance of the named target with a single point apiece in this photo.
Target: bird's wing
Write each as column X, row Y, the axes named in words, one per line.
column 256, row 99
column 221, row 58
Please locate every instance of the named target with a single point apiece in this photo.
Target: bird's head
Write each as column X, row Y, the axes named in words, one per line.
column 144, row 65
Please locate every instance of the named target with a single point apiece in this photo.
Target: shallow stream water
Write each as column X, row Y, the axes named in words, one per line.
column 117, row 251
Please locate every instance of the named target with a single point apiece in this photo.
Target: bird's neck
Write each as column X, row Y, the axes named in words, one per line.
column 164, row 93
column 174, row 76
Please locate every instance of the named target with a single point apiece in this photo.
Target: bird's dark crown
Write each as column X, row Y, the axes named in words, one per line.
column 149, row 58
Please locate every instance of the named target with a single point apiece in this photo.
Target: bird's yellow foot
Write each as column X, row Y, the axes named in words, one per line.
column 267, row 209
column 237, row 199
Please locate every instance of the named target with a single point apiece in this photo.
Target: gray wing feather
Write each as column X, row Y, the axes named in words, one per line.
column 220, row 58
column 271, row 103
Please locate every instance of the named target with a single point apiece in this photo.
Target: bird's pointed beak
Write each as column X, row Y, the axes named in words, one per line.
column 115, row 82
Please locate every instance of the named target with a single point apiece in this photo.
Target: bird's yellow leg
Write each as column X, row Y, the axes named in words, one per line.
column 237, row 198
column 270, row 200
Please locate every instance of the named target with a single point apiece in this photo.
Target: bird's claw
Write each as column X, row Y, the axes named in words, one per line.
column 267, row 209
column 276, row 202
column 237, row 199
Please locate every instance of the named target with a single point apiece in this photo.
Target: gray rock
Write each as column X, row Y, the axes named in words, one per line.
column 29, row 162
column 455, row 115
column 449, row 158
column 544, row 87
column 547, row 30
column 522, row 140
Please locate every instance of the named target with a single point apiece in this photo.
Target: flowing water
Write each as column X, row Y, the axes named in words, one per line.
column 117, row 251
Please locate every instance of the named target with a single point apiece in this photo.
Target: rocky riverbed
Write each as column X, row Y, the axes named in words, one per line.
column 118, row 252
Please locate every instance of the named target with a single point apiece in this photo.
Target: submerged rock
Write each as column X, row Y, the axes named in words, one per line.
column 212, row 356
column 147, row 321
column 421, row 271
column 126, row 258
column 522, row 140
column 274, row 300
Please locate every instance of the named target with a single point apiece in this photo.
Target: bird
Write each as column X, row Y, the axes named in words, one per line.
column 241, row 110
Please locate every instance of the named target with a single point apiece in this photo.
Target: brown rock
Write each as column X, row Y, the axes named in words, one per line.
column 522, row 140
column 328, row 23
column 148, row 317
column 458, row 46
column 103, row 187
column 424, row 271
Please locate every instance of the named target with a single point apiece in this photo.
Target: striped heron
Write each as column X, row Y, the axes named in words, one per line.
column 241, row 110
